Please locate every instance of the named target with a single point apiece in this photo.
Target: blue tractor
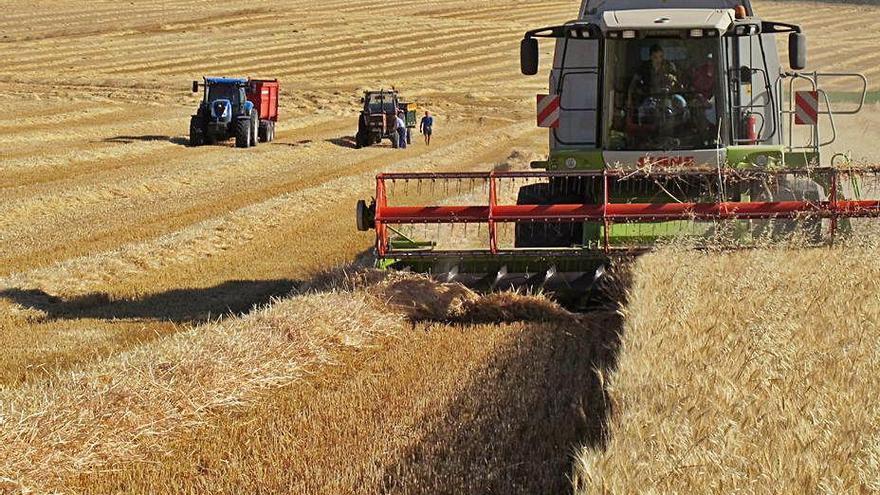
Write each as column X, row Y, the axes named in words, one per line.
column 225, row 112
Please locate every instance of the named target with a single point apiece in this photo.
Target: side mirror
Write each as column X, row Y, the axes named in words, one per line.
column 195, row 86
column 797, row 51
column 528, row 56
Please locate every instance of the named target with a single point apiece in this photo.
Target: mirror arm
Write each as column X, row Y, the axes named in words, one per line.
column 779, row 27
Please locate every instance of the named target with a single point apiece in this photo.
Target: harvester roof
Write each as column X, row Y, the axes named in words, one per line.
column 598, row 7
column 652, row 19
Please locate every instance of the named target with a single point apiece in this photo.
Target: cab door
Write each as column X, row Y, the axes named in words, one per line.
column 576, row 79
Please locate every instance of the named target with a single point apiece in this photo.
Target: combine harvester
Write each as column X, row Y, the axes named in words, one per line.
column 667, row 119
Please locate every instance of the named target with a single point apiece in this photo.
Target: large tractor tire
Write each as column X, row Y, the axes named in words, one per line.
column 243, row 132
column 255, row 129
column 362, row 138
column 196, row 133
column 546, row 234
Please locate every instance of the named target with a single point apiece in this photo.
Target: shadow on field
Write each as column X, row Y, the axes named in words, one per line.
column 178, row 305
column 515, row 425
column 343, row 142
column 183, row 305
column 182, row 141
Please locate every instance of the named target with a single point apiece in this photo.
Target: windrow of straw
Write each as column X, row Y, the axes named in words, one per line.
column 124, row 409
column 117, row 409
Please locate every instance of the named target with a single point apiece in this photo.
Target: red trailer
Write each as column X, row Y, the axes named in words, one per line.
column 263, row 93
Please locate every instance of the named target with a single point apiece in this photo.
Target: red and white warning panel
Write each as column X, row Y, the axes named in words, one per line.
column 548, row 111
column 806, row 107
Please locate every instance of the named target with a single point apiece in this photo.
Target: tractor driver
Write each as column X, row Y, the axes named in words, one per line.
column 655, row 80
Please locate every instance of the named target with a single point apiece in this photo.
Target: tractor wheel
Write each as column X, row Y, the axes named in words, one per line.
column 546, row 234
column 196, row 135
column 255, row 130
column 242, row 132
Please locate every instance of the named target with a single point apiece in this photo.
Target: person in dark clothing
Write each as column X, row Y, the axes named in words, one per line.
column 657, row 77
column 426, row 127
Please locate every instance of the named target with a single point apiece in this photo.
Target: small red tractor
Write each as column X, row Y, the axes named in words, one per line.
column 376, row 121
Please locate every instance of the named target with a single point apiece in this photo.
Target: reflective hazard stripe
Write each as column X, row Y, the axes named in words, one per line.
column 548, row 111
column 806, row 107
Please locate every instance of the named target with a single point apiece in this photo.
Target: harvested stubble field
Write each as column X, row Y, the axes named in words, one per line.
column 130, row 267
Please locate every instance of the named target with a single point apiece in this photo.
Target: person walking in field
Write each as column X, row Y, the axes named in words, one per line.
column 401, row 131
column 426, row 127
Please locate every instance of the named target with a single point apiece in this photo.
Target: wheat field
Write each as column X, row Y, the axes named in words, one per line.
column 174, row 319
column 745, row 373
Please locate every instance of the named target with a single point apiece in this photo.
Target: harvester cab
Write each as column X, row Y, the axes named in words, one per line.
column 377, row 118
column 667, row 119
column 246, row 109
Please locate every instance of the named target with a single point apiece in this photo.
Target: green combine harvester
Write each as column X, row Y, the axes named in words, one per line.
column 667, row 120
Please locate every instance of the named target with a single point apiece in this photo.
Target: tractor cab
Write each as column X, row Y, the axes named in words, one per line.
column 666, row 94
column 380, row 102
column 223, row 98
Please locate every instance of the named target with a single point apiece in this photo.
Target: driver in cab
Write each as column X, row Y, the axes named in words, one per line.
column 657, row 76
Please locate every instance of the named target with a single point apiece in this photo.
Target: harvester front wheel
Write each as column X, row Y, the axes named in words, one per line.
column 546, row 234
column 196, row 136
column 242, row 132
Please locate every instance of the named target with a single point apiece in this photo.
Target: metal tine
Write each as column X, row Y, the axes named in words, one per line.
column 452, row 273
column 502, row 272
column 549, row 274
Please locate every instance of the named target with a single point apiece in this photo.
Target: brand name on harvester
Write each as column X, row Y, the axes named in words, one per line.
column 666, row 161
